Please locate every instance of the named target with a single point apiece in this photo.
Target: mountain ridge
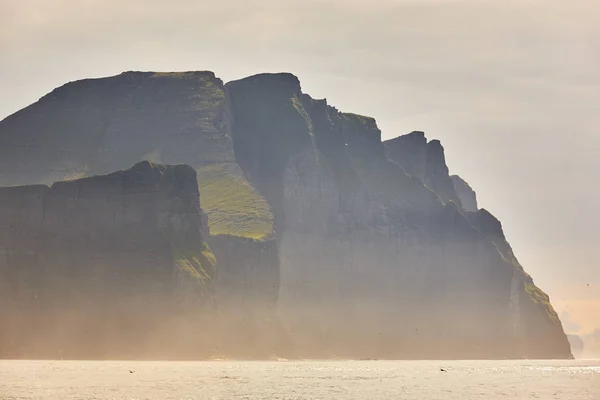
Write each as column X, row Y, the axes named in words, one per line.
column 354, row 229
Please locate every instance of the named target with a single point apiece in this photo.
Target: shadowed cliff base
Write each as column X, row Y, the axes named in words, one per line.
column 116, row 267
column 97, row 266
column 327, row 242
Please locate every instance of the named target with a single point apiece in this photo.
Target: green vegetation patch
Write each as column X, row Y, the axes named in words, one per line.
column 198, row 263
column 539, row 297
column 192, row 256
column 367, row 122
column 233, row 206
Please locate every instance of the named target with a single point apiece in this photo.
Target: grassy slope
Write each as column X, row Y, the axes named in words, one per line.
column 538, row 296
column 232, row 204
column 199, row 262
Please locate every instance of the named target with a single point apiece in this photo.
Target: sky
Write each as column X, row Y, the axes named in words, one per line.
column 511, row 88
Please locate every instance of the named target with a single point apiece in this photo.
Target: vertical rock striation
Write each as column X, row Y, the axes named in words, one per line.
column 109, row 266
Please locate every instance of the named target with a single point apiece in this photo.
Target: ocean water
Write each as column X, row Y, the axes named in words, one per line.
column 371, row 380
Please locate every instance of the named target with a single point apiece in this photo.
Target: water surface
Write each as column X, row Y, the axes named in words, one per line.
column 370, row 380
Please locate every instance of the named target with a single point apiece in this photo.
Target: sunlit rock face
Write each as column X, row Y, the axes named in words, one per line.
column 328, row 241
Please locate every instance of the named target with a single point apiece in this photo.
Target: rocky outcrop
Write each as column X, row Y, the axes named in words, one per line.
column 424, row 160
column 466, row 195
column 328, row 241
column 109, row 266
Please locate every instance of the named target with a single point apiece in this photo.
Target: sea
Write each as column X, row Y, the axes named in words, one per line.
column 361, row 380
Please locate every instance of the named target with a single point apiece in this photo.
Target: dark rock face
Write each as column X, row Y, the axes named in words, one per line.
column 427, row 162
column 424, row 160
column 466, row 195
column 266, row 133
column 534, row 316
column 247, row 288
column 363, row 248
column 368, row 251
column 104, row 124
column 108, row 266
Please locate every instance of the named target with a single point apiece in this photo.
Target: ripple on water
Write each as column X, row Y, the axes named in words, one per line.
column 371, row 380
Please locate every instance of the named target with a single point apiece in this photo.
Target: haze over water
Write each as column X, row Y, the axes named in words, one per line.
column 515, row 380
column 510, row 88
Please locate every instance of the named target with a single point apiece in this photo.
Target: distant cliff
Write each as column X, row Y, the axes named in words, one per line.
column 329, row 242
column 577, row 345
column 109, row 266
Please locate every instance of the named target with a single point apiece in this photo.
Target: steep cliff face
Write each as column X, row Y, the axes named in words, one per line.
column 268, row 131
column 368, row 251
column 466, row 195
column 98, row 126
column 109, row 266
column 246, row 298
column 424, row 160
column 537, row 329
column 535, row 321
column 363, row 248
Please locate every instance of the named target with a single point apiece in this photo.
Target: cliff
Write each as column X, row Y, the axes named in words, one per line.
column 425, row 160
column 532, row 314
column 328, row 241
column 466, row 195
column 109, row 266
column 97, row 126
column 577, row 345
column 374, row 242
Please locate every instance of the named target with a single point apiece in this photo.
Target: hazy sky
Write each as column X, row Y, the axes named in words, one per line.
column 512, row 88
